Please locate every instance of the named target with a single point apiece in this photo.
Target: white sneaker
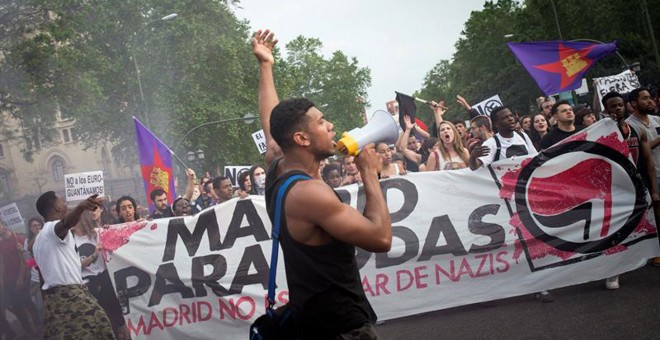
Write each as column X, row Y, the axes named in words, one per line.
column 612, row 283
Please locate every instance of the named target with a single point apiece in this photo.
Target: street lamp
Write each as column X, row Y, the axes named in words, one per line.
column 248, row 118
column 511, row 35
column 554, row 11
column 197, row 158
column 137, row 69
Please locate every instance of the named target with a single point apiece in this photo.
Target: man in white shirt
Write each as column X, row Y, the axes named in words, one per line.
column 644, row 121
column 71, row 311
column 507, row 143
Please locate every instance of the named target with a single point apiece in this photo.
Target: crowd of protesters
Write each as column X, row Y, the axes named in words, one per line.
column 34, row 267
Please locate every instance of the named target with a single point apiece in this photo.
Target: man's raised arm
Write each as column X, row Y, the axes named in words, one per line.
column 71, row 219
column 263, row 44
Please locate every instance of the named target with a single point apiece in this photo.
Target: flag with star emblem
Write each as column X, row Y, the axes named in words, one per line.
column 558, row 66
column 155, row 163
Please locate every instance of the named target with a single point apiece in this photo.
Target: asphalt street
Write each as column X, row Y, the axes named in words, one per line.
column 586, row 311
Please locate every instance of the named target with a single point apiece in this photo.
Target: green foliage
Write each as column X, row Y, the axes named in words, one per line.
column 483, row 65
column 77, row 56
column 337, row 85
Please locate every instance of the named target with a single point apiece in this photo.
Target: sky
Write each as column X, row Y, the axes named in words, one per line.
column 400, row 41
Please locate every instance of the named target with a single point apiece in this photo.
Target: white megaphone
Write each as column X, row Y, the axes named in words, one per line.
column 381, row 128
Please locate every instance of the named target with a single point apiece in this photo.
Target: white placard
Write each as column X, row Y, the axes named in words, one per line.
column 81, row 185
column 232, row 172
column 260, row 140
column 485, row 107
column 12, row 218
column 623, row 83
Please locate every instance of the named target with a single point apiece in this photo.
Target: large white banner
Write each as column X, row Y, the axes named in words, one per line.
column 575, row 213
column 623, row 83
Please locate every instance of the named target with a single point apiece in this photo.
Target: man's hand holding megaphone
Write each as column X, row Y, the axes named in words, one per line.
column 368, row 162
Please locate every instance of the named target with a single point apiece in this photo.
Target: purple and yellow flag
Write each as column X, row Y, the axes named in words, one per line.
column 558, row 66
column 155, row 162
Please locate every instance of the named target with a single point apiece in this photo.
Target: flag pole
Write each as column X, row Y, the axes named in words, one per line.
column 427, row 102
column 178, row 159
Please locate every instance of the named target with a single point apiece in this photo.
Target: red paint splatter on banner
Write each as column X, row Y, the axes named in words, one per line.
column 612, row 140
column 154, row 226
column 645, row 227
column 509, row 180
column 615, row 250
column 118, row 235
column 578, row 137
column 537, row 249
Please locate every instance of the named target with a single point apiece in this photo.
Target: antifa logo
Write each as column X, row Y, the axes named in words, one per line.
column 491, row 104
column 559, row 203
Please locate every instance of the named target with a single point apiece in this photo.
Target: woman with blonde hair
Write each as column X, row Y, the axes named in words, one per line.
column 451, row 154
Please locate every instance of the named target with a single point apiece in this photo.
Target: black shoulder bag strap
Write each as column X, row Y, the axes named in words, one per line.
column 498, row 145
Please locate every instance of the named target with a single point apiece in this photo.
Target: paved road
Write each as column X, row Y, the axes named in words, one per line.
column 586, row 311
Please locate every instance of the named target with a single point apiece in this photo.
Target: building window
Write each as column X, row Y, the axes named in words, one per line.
column 4, row 183
column 2, row 151
column 66, row 137
column 58, row 170
column 75, row 136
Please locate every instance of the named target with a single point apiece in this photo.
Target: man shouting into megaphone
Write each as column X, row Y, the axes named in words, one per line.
column 318, row 233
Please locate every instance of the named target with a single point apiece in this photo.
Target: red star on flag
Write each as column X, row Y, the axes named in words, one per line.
column 157, row 175
column 570, row 65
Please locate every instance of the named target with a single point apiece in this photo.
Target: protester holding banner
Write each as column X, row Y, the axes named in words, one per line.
column 508, row 142
column 127, row 209
column 223, row 189
column 94, row 271
column 640, row 151
column 562, row 113
column 450, row 155
column 181, row 207
column 71, row 312
column 642, row 119
column 162, row 209
column 318, row 233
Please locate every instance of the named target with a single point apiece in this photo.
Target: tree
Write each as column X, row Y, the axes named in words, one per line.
column 77, row 58
column 483, row 66
column 337, row 85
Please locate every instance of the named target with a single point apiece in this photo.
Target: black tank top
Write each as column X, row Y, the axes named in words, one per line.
column 325, row 289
